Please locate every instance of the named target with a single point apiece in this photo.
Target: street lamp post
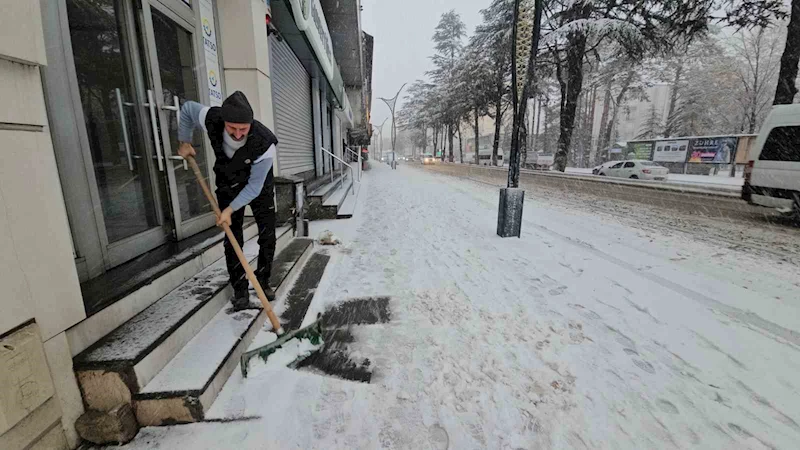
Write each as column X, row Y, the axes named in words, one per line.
column 391, row 103
column 526, row 32
column 380, row 136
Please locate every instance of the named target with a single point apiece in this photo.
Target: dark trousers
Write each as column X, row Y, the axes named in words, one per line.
column 263, row 208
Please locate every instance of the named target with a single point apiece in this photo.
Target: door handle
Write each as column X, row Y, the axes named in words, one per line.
column 124, row 123
column 176, row 106
column 151, row 104
column 180, row 158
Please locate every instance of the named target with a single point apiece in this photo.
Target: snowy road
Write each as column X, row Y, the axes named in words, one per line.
column 586, row 333
column 722, row 180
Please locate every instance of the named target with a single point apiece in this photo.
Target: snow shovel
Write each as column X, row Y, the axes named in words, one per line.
column 312, row 332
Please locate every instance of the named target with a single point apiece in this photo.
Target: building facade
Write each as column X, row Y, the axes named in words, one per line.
column 91, row 179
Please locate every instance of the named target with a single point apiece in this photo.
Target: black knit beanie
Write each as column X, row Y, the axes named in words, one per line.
column 236, row 109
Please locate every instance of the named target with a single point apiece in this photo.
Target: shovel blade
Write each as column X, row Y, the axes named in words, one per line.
column 312, row 332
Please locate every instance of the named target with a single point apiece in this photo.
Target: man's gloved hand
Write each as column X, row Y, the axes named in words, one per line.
column 186, row 149
column 225, row 217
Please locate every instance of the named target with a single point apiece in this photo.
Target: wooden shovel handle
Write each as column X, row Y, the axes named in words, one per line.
column 276, row 325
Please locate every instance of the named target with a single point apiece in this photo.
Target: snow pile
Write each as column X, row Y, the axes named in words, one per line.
column 291, row 351
column 328, row 238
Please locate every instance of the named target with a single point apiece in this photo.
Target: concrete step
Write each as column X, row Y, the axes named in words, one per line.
column 131, row 288
column 348, row 207
column 329, row 209
column 185, row 389
column 119, row 365
column 325, row 190
column 296, row 305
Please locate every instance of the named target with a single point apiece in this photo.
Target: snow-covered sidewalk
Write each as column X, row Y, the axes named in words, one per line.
column 584, row 333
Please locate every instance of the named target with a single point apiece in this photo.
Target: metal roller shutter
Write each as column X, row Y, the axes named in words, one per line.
column 291, row 100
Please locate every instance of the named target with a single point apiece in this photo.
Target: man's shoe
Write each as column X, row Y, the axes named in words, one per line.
column 269, row 293
column 267, row 290
column 241, row 301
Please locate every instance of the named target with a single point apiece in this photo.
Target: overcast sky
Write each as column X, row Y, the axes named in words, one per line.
column 403, row 31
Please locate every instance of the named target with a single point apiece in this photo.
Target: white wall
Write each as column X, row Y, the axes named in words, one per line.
column 38, row 279
column 245, row 54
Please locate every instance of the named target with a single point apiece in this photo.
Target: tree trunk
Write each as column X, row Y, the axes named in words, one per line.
column 673, row 100
column 537, row 117
column 523, row 146
column 546, row 132
column 601, row 144
column 460, row 144
column 626, row 84
column 589, row 128
column 576, row 47
column 450, row 134
column 424, row 139
column 580, row 121
column 498, row 117
column 589, row 148
column 784, row 94
column 435, row 140
column 477, row 139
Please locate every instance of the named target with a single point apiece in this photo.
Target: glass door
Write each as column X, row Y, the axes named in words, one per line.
column 135, row 64
column 170, row 46
column 126, row 188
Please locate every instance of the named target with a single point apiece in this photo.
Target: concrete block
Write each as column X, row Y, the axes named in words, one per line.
column 69, row 395
column 24, row 378
column 243, row 34
column 116, row 426
column 23, row 21
column 26, row 432
column 53, row 440
column 39, row 230
column 22, row 91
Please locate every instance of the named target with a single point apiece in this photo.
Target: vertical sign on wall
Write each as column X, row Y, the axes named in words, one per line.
column 210, row 51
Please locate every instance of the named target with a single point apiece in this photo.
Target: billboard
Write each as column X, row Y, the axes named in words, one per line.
column 671, row 151
column 641, row 150
column 744, row 147
column 716, row 150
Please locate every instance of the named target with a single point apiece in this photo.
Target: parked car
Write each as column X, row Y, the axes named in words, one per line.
column 596, row 170
column 636, row 169
column 772, row 176
column 428, row 158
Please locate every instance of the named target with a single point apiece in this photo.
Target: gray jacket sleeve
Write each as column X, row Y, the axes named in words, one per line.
column 193, row 115
column 258, row 174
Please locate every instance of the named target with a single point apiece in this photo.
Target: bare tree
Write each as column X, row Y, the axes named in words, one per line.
column 758, row 63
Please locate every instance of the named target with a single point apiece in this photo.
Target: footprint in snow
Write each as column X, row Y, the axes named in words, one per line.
column 644, row 365
column 438, row 437
column 558, row 291
column 667, row 406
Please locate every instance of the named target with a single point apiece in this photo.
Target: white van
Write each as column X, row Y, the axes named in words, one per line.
column 772, row 176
